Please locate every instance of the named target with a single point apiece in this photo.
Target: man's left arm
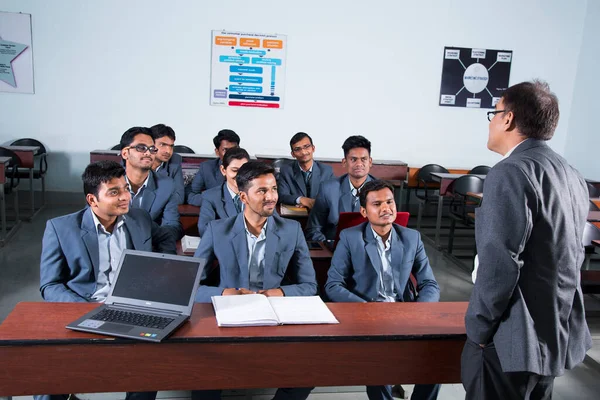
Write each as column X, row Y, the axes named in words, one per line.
column 304, row 271
column 427, row 287
column 179, row 183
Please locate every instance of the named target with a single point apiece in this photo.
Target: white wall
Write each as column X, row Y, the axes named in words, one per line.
column 354, row 67
column 584, row 123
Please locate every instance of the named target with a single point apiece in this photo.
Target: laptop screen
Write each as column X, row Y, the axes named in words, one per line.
column 156, row 279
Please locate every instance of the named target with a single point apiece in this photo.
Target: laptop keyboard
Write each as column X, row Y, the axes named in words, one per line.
column 132, row 318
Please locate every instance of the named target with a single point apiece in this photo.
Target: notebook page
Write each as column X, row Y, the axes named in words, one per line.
column 302, row 310
column 243, row 310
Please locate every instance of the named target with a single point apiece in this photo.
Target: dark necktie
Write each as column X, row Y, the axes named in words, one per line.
column 307, row 181
column 237, row 202
column 355, row 200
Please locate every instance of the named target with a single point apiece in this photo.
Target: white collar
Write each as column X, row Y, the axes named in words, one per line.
column 118, row 223
column 513, row 149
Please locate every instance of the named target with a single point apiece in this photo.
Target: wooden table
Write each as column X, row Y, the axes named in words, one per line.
column 374, row 344
column 444, row 180
column 188, row 216
column 26, row 156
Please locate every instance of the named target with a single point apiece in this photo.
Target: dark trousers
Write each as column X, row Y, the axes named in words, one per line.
column 129, row 396
column 421, row 392
column 483, row 378
column 281, row 394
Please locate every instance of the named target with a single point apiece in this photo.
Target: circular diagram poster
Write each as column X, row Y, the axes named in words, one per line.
column 474, row 78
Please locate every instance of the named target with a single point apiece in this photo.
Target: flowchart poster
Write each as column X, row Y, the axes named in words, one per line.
column 16, row 54
column 248, row 69
column 474, row 78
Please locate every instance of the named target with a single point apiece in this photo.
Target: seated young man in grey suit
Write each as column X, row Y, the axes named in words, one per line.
column 373, row 262
column 149, row 191
column 223, row 201
column 166, row 162
column 340, row 194
column 258, row 252
column 209, row 174
column 299, row 182
column 81, row 251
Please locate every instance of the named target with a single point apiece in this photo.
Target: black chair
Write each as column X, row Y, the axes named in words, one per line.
column 480, row 170
column 427, row 194
column 116, row 147
column 593, row 206
column 39, row 173
column 590, row 233
column 179, row 148
column 462, row 209
column 10, row 186
column 594, row 190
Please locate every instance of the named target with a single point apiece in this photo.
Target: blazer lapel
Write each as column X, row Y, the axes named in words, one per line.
column 315, row 180
column 228, row 205
column 90, row 239
column 240, row 248
column 136, row 240
column 346, row 197
column 401, row 275
column 269, row 274
column 372, row 252
column 149, row 194
column 299, row 178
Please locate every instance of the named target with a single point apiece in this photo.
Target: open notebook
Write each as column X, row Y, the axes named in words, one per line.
column 259, row 310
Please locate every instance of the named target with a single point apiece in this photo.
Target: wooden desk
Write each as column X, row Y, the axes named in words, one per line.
column 444, row 180
column 596, row 201
column 188, row 216
column 374, row 344
column 26, row 156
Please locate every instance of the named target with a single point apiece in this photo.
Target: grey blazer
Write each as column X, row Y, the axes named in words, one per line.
column 208, row 176
column 291, row 181
column 287, row 260
column 334, row 197
column 527, row 297
column 216, row 204
column 172, row 169
column 356, row 266
column 70, row 258
column 160, row 201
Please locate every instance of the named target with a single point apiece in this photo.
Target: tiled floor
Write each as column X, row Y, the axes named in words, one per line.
column 19, row 276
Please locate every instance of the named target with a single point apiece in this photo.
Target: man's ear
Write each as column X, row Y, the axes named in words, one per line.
column 363, row 211
column 244, row 197
column 91, row 200
column 509, row 121
column 222, row 169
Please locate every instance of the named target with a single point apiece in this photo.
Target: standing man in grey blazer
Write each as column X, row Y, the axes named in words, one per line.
column 373, row 262
column 223, row 201
column 209, row 174
column 166, row 162
column 149, row 191
column 258, row 252
column 340, row 194
column 526, row 321
column 81, row 251
column 299, row 182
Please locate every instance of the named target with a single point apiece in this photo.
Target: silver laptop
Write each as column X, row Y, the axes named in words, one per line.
column 153, row 294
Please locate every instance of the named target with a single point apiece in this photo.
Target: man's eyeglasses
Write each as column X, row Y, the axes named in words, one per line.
column 305, row 147
column 491, row 114
column 142, row 148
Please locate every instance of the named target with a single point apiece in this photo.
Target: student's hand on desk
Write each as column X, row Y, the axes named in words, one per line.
column 272, row 292
column 307, row 202
column 236, row 291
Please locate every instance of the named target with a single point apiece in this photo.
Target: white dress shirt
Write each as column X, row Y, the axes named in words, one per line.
column 110, row 248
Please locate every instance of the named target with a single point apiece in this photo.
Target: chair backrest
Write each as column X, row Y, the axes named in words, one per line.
column 116, row 147
column 593, row 206
column 465, row 184
column 179, row 148
column 350, row 219
column 480, row 170
column 424, row 174
column 594, row 191
column 590, row 232
column 30, row 142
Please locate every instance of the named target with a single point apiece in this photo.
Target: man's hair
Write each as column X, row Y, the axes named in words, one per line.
column 535, row 109
column 100, row 172
column 226, row 134
column 372, row 186
column 237, row 153
column 250, row 171
column 355, row 142
column 127, row 137
column 298, row 137
column 162, row 130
